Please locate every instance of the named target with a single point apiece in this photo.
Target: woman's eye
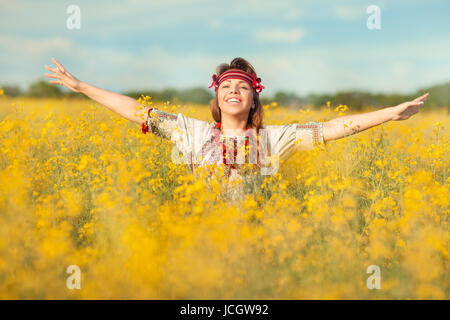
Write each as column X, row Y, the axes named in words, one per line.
column 241, row 87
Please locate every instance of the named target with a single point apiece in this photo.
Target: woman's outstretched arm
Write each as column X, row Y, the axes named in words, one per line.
column 347, row 125
column 125, row 106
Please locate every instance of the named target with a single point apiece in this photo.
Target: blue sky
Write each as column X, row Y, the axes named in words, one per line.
column 297, row 46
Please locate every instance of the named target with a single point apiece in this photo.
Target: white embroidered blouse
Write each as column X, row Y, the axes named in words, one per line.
column 201, row 144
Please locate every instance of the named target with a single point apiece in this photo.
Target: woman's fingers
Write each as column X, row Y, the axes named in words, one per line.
column 56, row 82
column 422, row 98
column 60, row 67
column 418, row 103
column 57, row 74
column 52, row 75
column 51, row 69
column 406, row 109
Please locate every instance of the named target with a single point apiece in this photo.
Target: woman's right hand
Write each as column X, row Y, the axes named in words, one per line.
column 63, row 76
column 405, row 110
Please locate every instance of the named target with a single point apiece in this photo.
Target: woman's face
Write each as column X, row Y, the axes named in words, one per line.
column 236, row 89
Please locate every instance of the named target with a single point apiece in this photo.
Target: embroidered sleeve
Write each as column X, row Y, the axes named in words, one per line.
column 286, row 139
column 309, row 134
column 187, row 133
column 160, row 123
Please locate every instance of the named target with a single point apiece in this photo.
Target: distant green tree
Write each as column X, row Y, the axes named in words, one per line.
column 439, row 95
column 11, row 90
column 42, row 89
column 74, row 95
column 356, row 100
column 318, row 100
column 168, row 94
column 266, row 100
column 195, row 95
column 288, row 99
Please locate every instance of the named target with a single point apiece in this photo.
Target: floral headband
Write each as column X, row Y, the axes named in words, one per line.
column 237, row 74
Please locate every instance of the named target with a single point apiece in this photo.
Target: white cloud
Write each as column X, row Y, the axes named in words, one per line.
column 301, row 70
column 293, row 14
column 112, row 69
column 215, row 24
column 279, row 35
column 389, row 68
column 34, row 46
column 349, row 12
column 324, row 68
column 401, row 69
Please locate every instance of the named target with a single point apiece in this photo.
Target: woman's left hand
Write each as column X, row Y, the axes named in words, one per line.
column 405, row 110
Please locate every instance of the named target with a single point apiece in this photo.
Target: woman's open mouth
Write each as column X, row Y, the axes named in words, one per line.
column 233, row 101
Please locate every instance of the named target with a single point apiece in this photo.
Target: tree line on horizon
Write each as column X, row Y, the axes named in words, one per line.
column 355, row 99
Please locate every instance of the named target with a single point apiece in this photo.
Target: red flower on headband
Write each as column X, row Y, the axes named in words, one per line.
column 257, row 84
column 215, row 82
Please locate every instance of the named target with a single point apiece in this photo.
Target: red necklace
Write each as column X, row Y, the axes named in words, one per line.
column 233, row 165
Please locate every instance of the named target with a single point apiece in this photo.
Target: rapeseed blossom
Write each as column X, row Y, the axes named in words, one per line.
column 81, row 186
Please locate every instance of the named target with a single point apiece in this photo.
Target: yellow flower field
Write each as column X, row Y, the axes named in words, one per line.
column 81, row 186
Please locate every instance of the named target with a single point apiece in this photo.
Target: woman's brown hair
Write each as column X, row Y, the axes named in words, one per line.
column 255, row 116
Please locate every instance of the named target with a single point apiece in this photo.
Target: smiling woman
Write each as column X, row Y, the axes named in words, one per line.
column 237, row 80
column 237, row 137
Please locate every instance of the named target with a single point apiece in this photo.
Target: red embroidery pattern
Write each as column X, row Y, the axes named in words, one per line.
column 212, row 144
column 166, row 115
column 214, row 152
column 155, row 119
column 311, row 126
